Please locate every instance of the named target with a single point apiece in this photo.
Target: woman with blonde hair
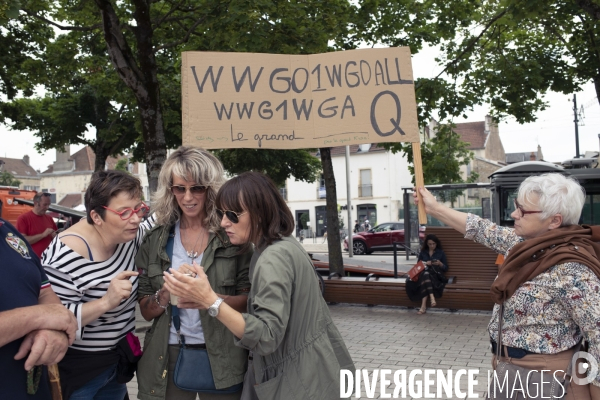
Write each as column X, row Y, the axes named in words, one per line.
column 188, row 234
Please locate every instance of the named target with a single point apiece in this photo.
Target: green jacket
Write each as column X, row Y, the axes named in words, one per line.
column 298, row 351
column 227, row 274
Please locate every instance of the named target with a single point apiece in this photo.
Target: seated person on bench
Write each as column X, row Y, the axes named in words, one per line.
column 432, row 281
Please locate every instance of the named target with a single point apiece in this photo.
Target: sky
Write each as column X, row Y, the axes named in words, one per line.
column 554, row 129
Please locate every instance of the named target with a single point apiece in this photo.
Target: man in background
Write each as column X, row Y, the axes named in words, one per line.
column 38, row 228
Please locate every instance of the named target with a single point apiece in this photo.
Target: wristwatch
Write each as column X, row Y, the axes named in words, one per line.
column 213, row 310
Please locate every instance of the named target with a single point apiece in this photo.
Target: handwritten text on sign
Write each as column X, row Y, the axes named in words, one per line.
column 280, row 101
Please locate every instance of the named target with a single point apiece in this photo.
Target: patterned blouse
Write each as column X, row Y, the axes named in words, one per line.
column 549, row 313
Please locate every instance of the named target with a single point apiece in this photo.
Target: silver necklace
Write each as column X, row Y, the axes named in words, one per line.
column 193, row 254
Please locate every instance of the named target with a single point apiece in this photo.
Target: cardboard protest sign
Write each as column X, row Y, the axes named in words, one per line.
column 249, row 100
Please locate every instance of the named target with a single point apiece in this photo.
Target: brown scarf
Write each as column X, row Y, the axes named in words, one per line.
column 531, row 257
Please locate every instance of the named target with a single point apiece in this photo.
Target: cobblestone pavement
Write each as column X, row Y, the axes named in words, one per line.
column 396, row 338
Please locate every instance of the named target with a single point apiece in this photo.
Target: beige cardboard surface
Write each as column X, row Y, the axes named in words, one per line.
column 250, row 100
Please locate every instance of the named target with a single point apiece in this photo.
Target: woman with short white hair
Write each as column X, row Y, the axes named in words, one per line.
column 549, row 282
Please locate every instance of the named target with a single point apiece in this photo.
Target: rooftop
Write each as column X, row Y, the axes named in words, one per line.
column 17, row 167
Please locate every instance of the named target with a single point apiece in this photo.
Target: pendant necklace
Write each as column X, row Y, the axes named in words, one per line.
column 193, row 253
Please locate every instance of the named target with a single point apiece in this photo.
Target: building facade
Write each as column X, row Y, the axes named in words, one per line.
column 20, row 169
column 69, row 176
column 376, row 179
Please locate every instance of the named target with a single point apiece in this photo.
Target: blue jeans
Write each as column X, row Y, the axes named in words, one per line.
column 102, row 387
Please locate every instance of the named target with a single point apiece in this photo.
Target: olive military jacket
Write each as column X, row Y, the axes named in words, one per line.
column 298, row 352
column 228, row 274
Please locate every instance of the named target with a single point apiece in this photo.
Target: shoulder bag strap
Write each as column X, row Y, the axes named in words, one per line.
column 174, row 309
column 499, row 343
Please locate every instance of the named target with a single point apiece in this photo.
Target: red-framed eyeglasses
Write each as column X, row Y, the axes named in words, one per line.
column 522, row 211
column 128, row 212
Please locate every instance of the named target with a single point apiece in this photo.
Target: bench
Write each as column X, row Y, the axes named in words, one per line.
column 470, row 264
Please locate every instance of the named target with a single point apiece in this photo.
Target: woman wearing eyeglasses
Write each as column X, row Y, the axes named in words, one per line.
column 297, row 350
column 549, row 280
column 92, row 270
column 188, row 234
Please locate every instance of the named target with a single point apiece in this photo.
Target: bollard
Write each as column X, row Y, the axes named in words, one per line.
column 395, row 260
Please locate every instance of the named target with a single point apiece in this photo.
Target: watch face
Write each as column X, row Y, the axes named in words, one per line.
column 213, row 311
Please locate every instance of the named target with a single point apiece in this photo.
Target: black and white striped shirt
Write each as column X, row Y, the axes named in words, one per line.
column 77, row 280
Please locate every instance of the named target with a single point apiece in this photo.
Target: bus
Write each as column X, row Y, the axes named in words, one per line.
column 10, row 208
column 502, row 189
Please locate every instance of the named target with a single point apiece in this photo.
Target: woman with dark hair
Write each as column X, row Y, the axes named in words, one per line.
column 432, row 281
column 91, row 268
column 297, row 350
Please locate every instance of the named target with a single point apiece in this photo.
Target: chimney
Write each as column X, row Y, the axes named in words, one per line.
column 26, row 159
column 488, row 123
column 62, row 162
column 532, row 156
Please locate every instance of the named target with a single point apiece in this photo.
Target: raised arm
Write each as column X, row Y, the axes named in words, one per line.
column 452, row 218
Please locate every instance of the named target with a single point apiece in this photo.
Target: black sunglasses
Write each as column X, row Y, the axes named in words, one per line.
column 194, row 190
column 231, row 215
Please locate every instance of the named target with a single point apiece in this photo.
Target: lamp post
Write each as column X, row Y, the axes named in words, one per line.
column 349, row 203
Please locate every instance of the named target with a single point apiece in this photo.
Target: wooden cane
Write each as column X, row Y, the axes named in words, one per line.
column 54, row 378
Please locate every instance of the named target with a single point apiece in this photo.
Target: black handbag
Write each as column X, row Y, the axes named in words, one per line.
column 130, row 352
column 193, row 371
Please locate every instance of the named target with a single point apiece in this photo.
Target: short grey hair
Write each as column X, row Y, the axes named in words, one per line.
column 557, row 194
column 39, row 195
column 201, row 167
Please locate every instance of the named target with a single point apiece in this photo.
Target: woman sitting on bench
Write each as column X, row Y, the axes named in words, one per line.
column 432, row 281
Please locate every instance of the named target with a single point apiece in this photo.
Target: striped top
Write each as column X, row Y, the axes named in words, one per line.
column 77, row 280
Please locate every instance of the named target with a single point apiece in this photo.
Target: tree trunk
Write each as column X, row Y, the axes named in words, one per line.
column 336, row 262
column 141, row 77
column 102, row 154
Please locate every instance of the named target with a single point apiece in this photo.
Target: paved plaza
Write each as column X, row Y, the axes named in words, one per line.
column 396, row 338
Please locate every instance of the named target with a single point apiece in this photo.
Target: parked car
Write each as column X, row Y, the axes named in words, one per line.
column 380, row 238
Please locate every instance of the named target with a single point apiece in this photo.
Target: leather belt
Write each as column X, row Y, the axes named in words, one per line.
column 513, row 352
column 192, row 346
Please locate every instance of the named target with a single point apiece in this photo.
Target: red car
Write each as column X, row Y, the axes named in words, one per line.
column 380, row 238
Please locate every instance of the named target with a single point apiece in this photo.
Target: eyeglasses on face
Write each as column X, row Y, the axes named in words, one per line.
column 128, row 212
column 522, row 211
column 194, row 190
column 231, row 215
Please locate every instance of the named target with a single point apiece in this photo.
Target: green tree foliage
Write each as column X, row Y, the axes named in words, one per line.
column 9, row 9
column 278, row 164
column 8, row 179
column 514, row 51
column 442, row 158
column 81, row 91
column 130, row 95
column 121, row 165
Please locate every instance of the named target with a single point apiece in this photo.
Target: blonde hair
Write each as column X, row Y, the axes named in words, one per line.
column 197, row 165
